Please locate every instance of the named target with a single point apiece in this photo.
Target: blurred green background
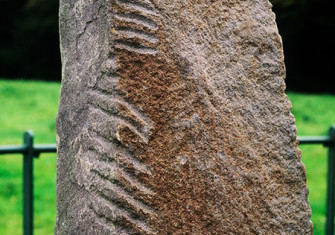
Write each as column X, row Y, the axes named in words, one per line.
column 33, row 105
column 27, row 105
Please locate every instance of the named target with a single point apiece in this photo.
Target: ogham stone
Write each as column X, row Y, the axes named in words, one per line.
column 173, row 120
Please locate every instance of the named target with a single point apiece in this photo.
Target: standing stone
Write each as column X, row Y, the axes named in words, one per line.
column 173, row 120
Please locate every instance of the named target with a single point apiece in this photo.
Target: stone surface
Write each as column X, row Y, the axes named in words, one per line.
column 173, row 120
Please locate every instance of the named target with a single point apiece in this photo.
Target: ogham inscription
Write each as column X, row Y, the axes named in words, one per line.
column 173, row 119
column 119, row 196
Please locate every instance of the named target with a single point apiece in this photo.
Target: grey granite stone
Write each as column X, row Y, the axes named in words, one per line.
column 173, row 120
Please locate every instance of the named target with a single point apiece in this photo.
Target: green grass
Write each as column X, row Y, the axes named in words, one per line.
column 27, row 105
column 33, row 105
column 314, row 115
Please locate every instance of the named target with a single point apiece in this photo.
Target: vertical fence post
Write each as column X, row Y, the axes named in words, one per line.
column 28, row 158
column 331, row 184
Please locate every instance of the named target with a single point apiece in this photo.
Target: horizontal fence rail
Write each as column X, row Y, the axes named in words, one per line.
column 19, row 149
column 31, row 151
column 328, row 141
column 325, row 140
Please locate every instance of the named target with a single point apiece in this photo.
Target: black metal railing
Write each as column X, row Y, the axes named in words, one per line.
column 327, row 141
column 31, row 151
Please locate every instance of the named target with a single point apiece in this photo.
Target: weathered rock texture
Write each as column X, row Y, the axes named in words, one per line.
column 173, row 120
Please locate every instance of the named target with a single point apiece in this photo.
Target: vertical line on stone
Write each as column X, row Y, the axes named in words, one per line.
column 117, row 196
